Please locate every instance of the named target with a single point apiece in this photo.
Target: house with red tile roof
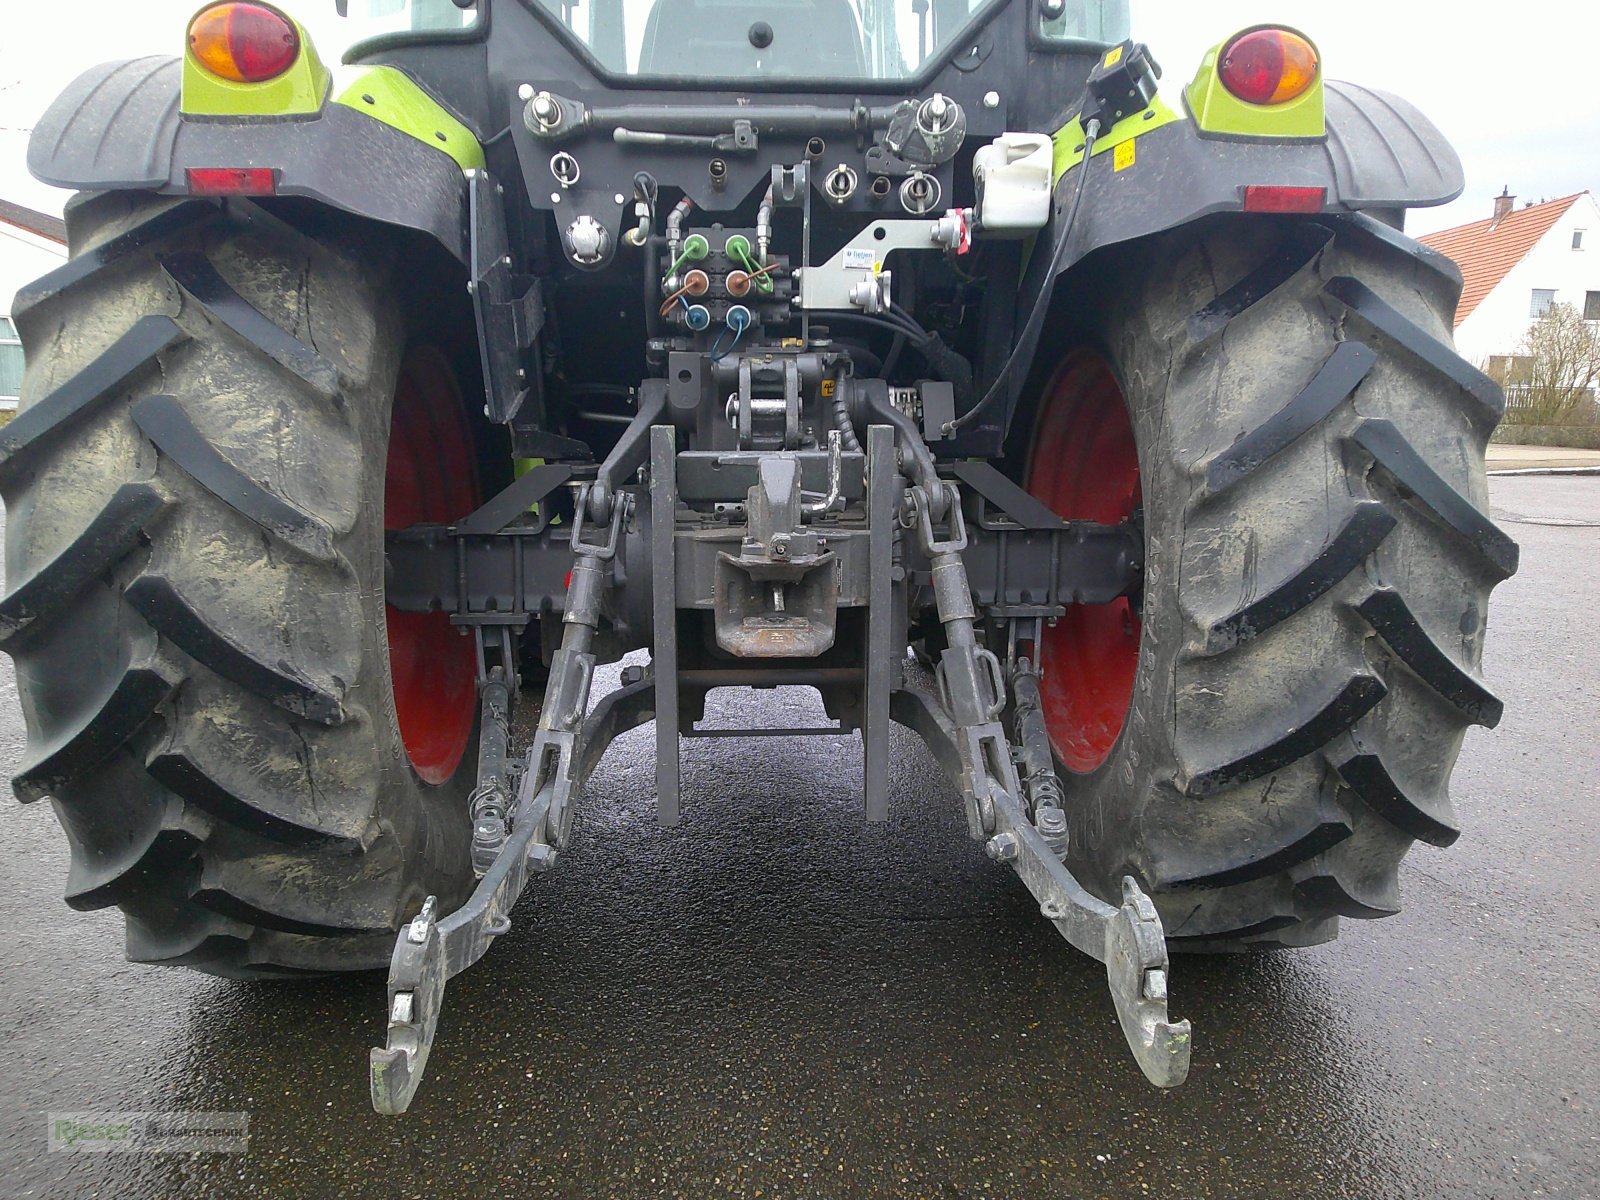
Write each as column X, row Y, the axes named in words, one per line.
column 1516, row 264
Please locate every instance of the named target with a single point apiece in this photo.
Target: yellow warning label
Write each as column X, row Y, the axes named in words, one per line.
column 1122, row 156
column 827, row 387
column 1113, row 57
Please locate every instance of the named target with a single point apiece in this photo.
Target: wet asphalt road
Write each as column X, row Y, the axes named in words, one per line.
column 776, row 1000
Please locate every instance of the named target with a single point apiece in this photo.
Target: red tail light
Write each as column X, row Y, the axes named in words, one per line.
column 1268, row 66
column 245, row 43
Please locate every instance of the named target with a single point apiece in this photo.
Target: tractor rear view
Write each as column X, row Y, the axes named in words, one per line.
column 925, row 355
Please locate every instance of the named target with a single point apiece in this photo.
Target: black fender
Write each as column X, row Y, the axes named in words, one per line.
column 1380, row 153
column 118, row 127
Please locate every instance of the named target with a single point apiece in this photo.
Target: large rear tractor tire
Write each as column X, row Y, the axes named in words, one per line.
column 265, row 771
column 1263, row 731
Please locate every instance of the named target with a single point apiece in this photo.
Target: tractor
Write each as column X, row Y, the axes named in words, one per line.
column 924, row 353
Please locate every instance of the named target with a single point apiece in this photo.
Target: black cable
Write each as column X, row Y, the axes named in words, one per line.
column 896, row 313
column 892, row 359
column 895, row 327
column 645, row 184
column 1041, row 303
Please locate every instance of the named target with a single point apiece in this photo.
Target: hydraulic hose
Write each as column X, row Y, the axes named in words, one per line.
column 764, row 226
column 841, row 419
column 680, row 210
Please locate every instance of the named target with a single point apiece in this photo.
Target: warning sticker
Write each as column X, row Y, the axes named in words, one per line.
column 858, row 258
column 1122, row 156
column 828, row 387
column 1113, row 57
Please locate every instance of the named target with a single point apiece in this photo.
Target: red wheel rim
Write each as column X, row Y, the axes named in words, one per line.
column 431, row 477
column 1085, row 466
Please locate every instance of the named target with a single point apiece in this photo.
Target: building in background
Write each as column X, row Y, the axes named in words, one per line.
column 31, row 244
column 1516, row 265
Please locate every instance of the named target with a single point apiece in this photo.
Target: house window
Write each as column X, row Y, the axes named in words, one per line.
column 1543, row 300
column 10, row 364
column 1591, row 306
column 1577, row 239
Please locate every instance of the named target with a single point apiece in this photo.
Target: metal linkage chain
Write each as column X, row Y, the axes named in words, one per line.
column 972, row 685
column 566, row 697
column 566, row 701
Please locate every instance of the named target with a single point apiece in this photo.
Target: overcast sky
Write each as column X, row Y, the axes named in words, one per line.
column 1512, row 84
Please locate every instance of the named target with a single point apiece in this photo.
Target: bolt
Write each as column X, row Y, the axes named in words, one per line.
column 1155, row 985
column 525, row 92
column 545, row 109
column 541, row 857
column 1002, row 847
column 632, row 674
column 991, row 99
column 417, row 931
column 1051, row 823
column 780, row 547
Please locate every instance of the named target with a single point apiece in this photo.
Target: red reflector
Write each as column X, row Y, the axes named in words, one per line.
column 232, row 181
column 1284, row 199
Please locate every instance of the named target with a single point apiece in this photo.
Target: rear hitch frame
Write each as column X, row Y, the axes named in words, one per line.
column 1016, row 814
